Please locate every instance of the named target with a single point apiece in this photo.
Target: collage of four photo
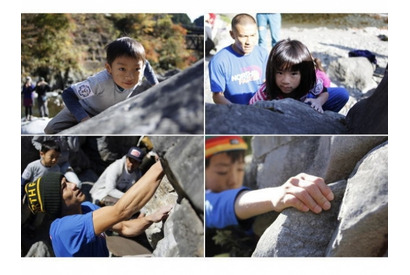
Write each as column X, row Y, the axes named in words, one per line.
column 222, row 135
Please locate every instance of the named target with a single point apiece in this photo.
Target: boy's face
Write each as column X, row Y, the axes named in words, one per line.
column 126, row 71
column 50, row 158
column 246, row 37
column 223, row 174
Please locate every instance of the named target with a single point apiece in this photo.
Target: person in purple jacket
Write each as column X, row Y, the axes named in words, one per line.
column 78, row 228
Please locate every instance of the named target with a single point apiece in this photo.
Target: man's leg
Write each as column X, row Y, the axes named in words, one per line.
column 262, row 29
column 275, row 24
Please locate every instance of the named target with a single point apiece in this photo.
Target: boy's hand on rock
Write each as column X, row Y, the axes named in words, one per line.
column 305, row 192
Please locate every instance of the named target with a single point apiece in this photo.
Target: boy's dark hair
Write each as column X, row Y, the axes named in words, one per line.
column 125, row 46
column 290, row 55
column 242, row 19
column 49, row 145
column 234, row 156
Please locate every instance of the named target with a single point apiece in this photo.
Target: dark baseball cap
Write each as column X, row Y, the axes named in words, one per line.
column 136, row 153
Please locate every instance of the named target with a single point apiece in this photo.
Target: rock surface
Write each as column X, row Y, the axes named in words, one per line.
column 285, row 116
column 355, row 163
column 174, row 106
column 363, row 217
column 297, row 234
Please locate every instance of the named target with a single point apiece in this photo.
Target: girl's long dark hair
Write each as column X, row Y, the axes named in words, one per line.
column 290, row 55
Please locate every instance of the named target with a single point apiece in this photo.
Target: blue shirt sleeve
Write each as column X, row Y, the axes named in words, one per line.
column 216, row 76
column 220, row 208
column 150, row 74
column 73, row 104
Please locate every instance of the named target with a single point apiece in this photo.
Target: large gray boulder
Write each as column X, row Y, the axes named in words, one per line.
column 275, row 159
column 299, row 234
column 174, row 106
column 370, row 115
column 183, row 234
column 353, row 72
column 287, row 116
column 363, row 217
column 184, row 165
column 355, row 163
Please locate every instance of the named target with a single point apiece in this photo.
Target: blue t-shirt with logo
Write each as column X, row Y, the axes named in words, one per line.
column 238, row 76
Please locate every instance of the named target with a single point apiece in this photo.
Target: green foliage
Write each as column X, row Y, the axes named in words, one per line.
column 181, row 18
column 66, row 44
column 164, row 41
column 45, row 43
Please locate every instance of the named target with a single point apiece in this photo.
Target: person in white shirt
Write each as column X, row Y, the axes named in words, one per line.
column 117, row 178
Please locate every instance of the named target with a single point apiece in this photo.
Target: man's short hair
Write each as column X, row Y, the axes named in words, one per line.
column 242, row 19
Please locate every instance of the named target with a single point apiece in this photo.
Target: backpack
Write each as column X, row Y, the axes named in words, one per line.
column 365, row 53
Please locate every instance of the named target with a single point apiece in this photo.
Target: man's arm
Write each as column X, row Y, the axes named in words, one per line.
column 132, row 201
column 135, row 227
column 219, row 98
column 303, row 192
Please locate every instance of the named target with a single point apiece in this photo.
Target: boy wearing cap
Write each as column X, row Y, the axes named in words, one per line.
column 228, row 203
column 118, row 177
column 79, row 226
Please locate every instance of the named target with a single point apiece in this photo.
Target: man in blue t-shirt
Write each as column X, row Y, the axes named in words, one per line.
column 237, row 71
column 78, row 227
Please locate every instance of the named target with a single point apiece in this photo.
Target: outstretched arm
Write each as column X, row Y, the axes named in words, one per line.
column 135, row 227
column 132, row 201
column 303, row 192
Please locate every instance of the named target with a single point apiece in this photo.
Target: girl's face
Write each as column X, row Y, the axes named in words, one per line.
column 50, row 158
column 287, row 81
column 126, row 71
column 223, row 174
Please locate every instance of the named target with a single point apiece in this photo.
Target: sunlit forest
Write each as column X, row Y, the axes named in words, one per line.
column 70, row 47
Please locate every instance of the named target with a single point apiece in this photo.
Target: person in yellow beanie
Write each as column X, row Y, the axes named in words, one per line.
column 230, row 204
column 78, row 228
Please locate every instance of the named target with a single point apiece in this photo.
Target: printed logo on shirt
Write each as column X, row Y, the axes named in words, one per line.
column 317, row 90
column 84, row 90
column 249, row 74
